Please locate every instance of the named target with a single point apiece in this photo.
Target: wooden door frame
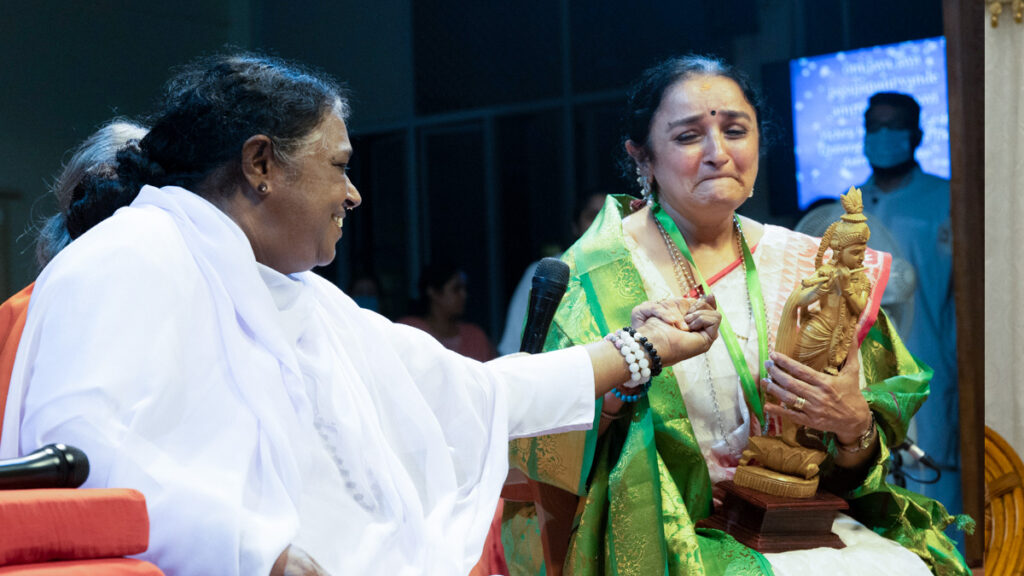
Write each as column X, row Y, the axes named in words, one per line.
column 964, row 21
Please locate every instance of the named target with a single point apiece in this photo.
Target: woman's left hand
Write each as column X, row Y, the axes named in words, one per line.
column 831, row 403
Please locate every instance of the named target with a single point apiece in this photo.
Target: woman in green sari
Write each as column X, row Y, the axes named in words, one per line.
column 645, row 473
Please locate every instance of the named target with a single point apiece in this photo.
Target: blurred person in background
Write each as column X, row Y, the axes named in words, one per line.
column 914, row 206
column 442, row 300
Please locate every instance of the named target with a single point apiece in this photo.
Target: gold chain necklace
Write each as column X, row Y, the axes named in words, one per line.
column 687, row 283
column 684, row 277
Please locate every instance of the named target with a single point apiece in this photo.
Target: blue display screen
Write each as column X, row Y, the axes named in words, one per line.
column 830, row 94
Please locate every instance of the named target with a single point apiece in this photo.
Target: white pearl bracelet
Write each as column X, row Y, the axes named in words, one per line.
column 634, row 354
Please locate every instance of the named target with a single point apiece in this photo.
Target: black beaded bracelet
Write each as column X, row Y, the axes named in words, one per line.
column 651, row 351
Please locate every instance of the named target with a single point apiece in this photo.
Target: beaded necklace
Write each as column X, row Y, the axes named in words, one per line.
column 751, row 391
column 688, row 286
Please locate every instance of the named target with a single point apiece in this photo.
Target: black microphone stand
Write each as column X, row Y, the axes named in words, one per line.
column 900, row 475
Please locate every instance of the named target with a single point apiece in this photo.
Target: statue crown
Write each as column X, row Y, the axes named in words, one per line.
column 852, row 227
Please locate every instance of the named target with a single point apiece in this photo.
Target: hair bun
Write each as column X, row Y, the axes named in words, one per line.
column 136, row 168
column 107, row 187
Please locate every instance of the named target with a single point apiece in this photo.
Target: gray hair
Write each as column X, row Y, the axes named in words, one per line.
column 97, row 151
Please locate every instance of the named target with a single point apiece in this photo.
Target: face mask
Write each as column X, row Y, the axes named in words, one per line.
column 368, row 302
column 887, row 148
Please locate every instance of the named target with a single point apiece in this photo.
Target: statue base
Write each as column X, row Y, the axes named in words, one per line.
column 769, row 523
column 775, row 483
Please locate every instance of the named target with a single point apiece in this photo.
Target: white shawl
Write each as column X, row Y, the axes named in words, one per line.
column 254, row 412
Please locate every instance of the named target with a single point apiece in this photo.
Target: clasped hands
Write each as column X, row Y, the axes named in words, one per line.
column 678, row 328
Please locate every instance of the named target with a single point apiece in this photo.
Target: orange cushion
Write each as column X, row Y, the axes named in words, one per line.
column 12, row 323
column 63, row 524
column 104, row 567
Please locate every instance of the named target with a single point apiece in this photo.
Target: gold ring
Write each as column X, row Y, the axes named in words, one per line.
column 798, row 405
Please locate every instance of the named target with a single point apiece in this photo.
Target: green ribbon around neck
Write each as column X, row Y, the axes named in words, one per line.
column 739, row 361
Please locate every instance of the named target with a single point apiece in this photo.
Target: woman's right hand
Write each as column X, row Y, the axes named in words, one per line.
column 678, row 328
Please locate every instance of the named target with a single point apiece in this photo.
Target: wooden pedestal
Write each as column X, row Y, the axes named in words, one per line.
column 769, row 523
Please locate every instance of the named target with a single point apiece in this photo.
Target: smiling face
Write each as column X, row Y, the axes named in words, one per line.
column 308, row 200
column 703, row 147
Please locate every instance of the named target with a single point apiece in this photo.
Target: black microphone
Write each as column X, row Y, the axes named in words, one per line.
column 917, row 453
column 549, row 282
column 52, row 466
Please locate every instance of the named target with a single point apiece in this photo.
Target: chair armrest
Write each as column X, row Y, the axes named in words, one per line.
column 63, row 524
column 100, row 567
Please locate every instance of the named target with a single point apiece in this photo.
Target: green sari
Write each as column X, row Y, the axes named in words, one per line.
column 644, row 484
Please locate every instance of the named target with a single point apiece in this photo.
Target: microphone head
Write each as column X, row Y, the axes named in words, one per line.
column 77, row 464
column 553, row 273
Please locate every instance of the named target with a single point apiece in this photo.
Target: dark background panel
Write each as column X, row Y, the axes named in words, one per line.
column 533, row 220
column 377, row 234
column 612, row 41
column 599, row 149
column 781, row 163
column 474, row 54
column 548, row 78
column 453, row 205
column 886, row 22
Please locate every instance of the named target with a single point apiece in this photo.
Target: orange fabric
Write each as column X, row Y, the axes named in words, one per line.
column 12, row 322
column 61, row 524
column 104, row 567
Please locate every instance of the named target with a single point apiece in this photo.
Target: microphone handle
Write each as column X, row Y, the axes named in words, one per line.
column 44, row 468
column 538, row 321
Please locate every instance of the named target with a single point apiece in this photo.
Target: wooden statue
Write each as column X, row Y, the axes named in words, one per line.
column 821, row 338
column 818, row 325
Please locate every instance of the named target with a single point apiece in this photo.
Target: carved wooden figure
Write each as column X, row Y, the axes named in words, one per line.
column 818, row 325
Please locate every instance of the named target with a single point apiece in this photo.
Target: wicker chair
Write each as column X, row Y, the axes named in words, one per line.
column 1004, row 507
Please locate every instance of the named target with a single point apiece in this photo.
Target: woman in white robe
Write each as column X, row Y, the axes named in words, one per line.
column 273, row 426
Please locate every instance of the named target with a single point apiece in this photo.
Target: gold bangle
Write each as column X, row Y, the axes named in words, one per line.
column 608, row 416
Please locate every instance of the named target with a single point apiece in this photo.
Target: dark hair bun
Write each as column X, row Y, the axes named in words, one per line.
column 106, row 188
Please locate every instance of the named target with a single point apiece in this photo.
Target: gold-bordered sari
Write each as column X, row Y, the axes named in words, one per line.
column 644, row 484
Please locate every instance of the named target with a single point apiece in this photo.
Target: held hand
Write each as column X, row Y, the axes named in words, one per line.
column 830, row 403
column 678, row 328
column 294, row 561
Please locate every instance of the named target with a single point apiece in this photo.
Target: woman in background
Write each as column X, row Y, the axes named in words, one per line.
column 443, row 297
